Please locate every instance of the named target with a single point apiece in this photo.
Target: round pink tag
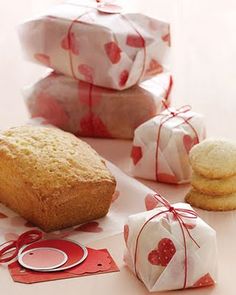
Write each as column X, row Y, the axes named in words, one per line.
column 109, row 8
column 42, row 258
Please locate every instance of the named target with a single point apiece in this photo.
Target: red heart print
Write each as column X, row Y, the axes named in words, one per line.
column 43, row 58
column 163, row 254
column 115, row 196
column 190, row 225
column 87, row 72
column 167, row 178
column 189, row 142
column 113, row 52
column 92, row 125
column 90, row 227
column 136, row 154
column 49, row 108
column 150, row 202
column 2, row 215
column 166, row 38
column 65, row 43
column 136, row 41
column 154, row 68
column 205, row 280
column 124, row 75
column 70, row 42
column 126, row 233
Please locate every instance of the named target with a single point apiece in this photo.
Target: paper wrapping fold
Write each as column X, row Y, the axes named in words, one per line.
column 110, row 50
column 162, row 144
column 160, row 253
column 92, row 111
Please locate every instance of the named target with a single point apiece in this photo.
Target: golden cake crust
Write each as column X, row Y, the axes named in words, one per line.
column 52, row 178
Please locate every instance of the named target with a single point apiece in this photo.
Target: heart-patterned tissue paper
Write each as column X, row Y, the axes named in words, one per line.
column 161, row 145
column 87, row 110
column 181, row 252
column 78, row 39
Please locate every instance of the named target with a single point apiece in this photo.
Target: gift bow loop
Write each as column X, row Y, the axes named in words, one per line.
column 180, row 212
column 26, row 238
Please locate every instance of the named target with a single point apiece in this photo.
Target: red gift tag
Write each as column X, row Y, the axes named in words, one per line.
column 75, row 253
column 98, row 261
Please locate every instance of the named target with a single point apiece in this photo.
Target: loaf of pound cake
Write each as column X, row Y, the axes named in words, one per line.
column 52, row 178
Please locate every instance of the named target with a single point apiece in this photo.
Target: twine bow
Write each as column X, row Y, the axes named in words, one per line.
column 179, row 214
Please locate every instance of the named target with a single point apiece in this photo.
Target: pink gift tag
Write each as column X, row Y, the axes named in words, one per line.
column 75, row 253
column 42, row 258
column 109, row 8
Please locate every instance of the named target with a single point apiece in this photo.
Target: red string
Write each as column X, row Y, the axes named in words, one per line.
column 168, row 93
column 178, row 213
column 144, row 48
column 68, row 36
column 167, row 117
column 15, row 245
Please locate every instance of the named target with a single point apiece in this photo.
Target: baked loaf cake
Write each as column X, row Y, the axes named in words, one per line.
column 52, row 178
column 214, row 175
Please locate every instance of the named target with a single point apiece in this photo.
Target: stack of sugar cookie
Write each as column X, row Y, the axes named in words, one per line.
column 214, row 175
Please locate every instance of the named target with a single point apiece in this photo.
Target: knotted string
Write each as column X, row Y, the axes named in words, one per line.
column 179, row 214
column 77, row 20
column 166, row 117
column 15, row 245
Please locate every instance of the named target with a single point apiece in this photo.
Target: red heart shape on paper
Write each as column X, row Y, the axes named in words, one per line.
column 154, row 68
column 136, row 41
column 90, row 227
column 113, row 52
column 124, row 75
column 166, row 38
column 70, row 42
column 150, row 202
column 2, row 215
column 49, row 108
column 190, row 225
column 163, row 254
column 92, row 125
column 136, row 154
column 87, row 72
column 65, row 44
column 189, row 142
column 168, row 178
column 205, row 280
column 43, row 58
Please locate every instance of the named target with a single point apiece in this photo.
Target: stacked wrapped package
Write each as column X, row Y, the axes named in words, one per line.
column 108, row 67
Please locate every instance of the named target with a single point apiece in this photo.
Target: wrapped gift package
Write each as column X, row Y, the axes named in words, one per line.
column 92, row 111
column 113, row 50
column 181, row 252
column 162, row 144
